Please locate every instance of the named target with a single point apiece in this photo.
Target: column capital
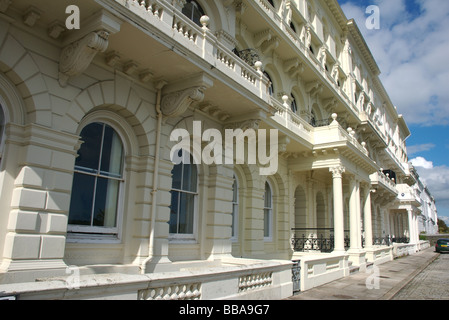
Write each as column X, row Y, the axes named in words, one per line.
column 337, row 171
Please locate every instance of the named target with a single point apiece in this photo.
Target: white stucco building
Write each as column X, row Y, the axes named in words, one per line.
column 88, row 191
column 428, row 219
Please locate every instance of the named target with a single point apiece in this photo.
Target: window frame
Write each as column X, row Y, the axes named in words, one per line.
column 293, row 104
column 269, row 237
column 271, row 86
column 91, row 232
column 186, row 237
column 196, row 5
column 235, row 214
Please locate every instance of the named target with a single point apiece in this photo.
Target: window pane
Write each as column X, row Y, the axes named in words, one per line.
column 112, row 157
column 196, row 16
column 106, row 198
column 82, row 199
column 176, row 176
column 266, row 222
column 186, row 211
column 235, row 210
column 193, row 11
column 189, row 182
column 267, row 196
column 174, row 212
column 234, row 191
column 89, row 153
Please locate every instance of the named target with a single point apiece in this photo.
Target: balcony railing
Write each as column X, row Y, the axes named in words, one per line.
column 314, row 239
column 200, row 41
column 322, row 240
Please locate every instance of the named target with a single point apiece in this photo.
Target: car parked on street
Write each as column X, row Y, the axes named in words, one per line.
column 442, row 245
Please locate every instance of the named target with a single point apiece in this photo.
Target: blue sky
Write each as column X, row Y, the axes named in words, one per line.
column 411, row 48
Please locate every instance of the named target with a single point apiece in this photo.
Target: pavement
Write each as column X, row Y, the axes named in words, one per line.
column 380, row 282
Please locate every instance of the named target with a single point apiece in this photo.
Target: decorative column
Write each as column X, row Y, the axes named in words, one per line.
column 339, row 231
column 354, row 225
column 368, row 218
column 411, row 226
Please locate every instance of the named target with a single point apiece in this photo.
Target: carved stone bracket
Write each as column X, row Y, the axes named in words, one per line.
column 179, row 96
column 76, row 57
column 82, row 46
column 176, row 103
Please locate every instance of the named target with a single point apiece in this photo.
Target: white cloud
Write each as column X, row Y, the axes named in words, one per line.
column 421, row 162
column 412, row 54
column 419, row 148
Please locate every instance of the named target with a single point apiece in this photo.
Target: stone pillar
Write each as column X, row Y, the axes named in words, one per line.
column 311, row 209
column 219, row 212
column 416, row 228
column 411, row 224
column 354, row 227
column 368, row 218
column 38, row 212
column 339, row 233
column 254, row 222
column 356, row 253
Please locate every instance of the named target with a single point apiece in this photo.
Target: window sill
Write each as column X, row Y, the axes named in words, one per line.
column 92, row 238
column 182, row 240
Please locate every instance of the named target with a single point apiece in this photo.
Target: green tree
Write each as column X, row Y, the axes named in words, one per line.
column 442, row 227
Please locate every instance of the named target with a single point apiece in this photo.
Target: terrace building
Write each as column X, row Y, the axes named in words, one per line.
column 89, row 193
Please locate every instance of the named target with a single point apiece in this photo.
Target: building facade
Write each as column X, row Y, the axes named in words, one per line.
column 428, row 219
column 92, row 116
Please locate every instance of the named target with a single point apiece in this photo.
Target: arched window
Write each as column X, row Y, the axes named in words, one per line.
column 268, row 212
column 193, row 11
column 271, row 87
column 184, row 193
column 97, row 180
column 235, row 208
column 293, row 105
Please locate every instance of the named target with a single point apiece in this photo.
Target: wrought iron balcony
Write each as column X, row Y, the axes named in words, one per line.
column 322, row 240
column 314, row 239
